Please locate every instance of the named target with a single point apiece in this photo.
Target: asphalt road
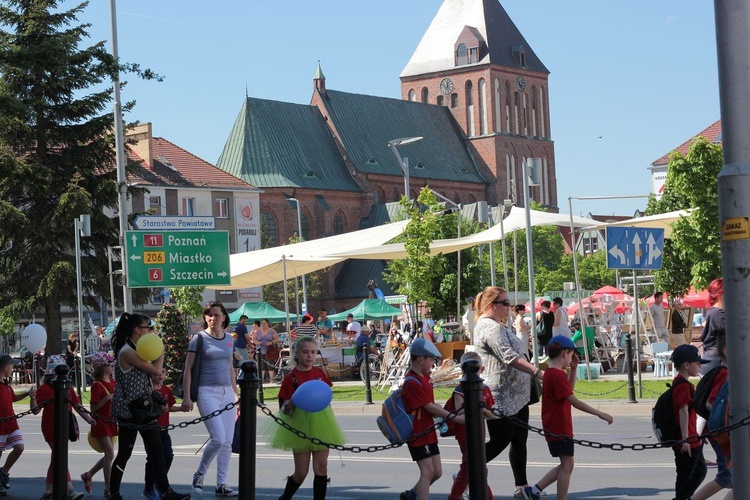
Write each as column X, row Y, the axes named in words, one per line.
column 599, row 474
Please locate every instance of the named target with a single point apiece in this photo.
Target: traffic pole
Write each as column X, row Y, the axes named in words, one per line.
column 249, row 383
column 476, row 458
column 366, row 361
column 259, row 368
column 60, row 429
column 629, row 362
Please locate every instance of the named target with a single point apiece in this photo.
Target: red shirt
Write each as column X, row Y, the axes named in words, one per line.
column 99, row 390
column 488, row 401
column 44, row 393
column 417, row 394
column 167, row 393
column 297, row 377
column 682, row 395
column 556, row 409
column 7, row 395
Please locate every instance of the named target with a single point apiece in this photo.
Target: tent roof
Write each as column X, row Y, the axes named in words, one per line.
column 258, row 311
column 662, row 221
column 369, row 309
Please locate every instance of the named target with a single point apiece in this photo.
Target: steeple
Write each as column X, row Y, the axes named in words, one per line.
column 319, row 80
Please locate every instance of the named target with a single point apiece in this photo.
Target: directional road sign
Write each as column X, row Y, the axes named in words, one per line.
column 174, row 222
column 634, row 247
column 177, row 258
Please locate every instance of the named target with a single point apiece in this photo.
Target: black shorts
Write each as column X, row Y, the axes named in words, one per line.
column 421, row 452
column 562, row 448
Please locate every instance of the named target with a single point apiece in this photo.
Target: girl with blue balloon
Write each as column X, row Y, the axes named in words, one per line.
column 305, row 399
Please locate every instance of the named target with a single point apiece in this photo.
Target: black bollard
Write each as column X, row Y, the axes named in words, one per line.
column 259, row 368
column 249, row 383
column 629, row 361
column 366, row 361
column 60, row 440
column 476, row 458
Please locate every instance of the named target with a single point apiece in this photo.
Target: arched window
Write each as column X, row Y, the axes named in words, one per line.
column 396, row 194
column 306, row 227
column 533, row 110
column 380, row 195
column 525, row 116
column 508, row 177
column 338, row 224
column 545, row 182
column 482, row 107
column 470, row 109
column 516, row 113
column 507, row 106
column 498, row 117
column 412, row 95
column 268, row 231
column 440, row 100
column 543, row 111
column 454, row 100
column 462, row 55
column 425, row 95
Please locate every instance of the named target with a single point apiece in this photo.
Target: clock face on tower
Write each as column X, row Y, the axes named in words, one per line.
column 520, row 83
column 446, row 86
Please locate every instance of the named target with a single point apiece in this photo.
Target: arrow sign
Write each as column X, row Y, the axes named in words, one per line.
column 626, row 248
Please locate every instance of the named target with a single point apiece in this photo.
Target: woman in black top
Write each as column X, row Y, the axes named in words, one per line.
column 547, row 317
column 714, row 318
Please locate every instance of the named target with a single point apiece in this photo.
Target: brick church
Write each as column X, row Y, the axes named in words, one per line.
column 474, row 90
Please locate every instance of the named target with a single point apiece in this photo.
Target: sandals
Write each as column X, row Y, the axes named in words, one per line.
column 87, row 483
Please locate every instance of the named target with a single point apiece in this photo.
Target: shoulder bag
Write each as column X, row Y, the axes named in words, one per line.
column 195, row 373
column 147, row 408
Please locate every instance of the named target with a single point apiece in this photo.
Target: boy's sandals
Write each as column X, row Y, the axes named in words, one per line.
column 87, row 483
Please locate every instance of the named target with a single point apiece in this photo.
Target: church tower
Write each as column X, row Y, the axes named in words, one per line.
column 475, row 61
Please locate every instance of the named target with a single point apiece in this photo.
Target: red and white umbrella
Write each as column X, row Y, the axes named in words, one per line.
column 538, row 307
column 696, row 299
column 664, row 301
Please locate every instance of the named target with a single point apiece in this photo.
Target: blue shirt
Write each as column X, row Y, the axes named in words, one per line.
column 216, row 360
column 241, row 341
column 362, row 341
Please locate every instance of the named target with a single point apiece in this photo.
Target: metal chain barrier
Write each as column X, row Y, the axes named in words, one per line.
column 169, row 427
column 30, row 411
column 355, row 449
column 601, row 393
column 620, row 446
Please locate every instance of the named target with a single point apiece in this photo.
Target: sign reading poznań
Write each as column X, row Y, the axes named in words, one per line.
column 177, row 258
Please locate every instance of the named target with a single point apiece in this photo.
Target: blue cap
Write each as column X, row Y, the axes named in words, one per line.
column 562, row 341
column 423, row 347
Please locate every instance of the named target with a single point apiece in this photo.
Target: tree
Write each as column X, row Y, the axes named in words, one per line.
column 188, row 300
column 56, row 159
column 693, row 256
column 173, row 331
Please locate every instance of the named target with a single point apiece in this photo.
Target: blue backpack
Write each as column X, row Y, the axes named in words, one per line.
column 397, row 424
column 719, row 416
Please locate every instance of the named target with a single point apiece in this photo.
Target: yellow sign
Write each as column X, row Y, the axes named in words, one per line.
column 154, row 257
column 736, row 228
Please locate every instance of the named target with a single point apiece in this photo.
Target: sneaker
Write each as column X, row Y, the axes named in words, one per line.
column 47, row 496
column 198, row 483
column 173, row 495
column 4, row 479
column 74, row 495
column 150, row 495
column 225, row 491
column 527, row 493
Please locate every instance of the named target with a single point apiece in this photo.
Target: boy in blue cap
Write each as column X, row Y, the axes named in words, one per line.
column 557, row 421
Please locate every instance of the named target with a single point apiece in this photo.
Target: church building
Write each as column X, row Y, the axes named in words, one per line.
column 474, row 92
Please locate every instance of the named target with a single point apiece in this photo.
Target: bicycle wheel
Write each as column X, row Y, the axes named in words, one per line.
column 375, row 368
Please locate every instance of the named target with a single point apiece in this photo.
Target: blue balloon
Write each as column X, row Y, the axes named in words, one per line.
column 312, row 396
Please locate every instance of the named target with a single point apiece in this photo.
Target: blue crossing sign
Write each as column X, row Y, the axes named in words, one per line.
column 634, row 247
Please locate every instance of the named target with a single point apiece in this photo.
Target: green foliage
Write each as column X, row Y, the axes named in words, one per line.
column 8, row 322
column 188, row 300
column 171, row 327
column 56, row 159
column 693, row 256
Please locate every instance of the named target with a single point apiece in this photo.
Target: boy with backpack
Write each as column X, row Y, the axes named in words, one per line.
column 714, row 380
column 688, row 457
column 461, row 480
column 557, row 421
column 419, row 400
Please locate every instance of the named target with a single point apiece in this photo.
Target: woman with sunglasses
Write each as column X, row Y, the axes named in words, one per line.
column 217, row 389
column 133, row 376
column 508, row 374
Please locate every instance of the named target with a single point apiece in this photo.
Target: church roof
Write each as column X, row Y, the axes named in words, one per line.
column 279, row 144
column 712, row 134
column 435, row 53
column 366, row 123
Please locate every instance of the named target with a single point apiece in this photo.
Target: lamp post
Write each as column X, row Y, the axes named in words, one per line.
column 506, row 207
column 403, row 162
column 82, row 227
column 299, row 228
column 458, row 264
column 531, row 171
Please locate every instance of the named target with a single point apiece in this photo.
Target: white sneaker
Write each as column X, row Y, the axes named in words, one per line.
column 198, row 483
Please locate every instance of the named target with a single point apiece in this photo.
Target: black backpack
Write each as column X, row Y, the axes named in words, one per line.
column 702, row 391
column 666, row 428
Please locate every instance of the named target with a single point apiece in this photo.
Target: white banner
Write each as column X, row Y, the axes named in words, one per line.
column 247, row 217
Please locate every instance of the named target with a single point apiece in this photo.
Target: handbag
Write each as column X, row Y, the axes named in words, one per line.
column 73, row 430
column 147, row 408
column 195, row 373
column 536, row 391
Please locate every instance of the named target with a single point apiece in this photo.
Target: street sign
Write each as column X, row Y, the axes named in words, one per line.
column 634, row 247
column 177, row 258
column 174, row 223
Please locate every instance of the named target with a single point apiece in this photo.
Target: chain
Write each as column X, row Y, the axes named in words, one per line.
column 620, row 446
column 601, row 393
column 169, row 427
column 30, row 411
column 356, row 449
column 650, row 390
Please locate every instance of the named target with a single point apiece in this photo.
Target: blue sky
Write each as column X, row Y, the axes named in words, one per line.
column 642, row 74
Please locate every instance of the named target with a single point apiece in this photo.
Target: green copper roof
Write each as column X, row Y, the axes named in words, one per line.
column 279, row 144
column 366, row 124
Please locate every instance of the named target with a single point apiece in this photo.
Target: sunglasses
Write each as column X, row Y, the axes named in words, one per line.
column 149, row 327
column 504, row 302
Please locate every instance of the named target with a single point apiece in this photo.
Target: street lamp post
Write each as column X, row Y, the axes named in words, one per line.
column 403, row 162
column 299, row 228
column 531, row 170
column 82, row 227
column 458, row 264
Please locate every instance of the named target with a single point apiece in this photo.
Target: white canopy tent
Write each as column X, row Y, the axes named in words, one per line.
column 663, row 221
